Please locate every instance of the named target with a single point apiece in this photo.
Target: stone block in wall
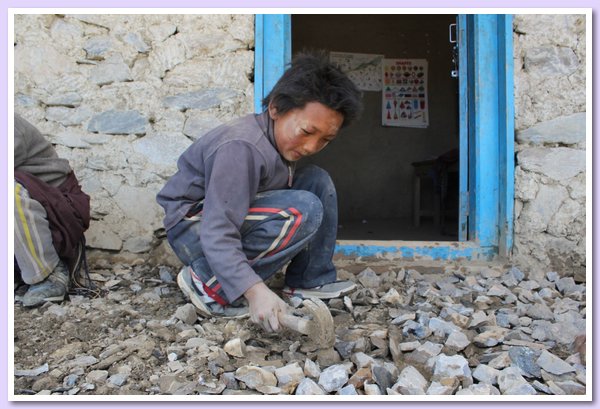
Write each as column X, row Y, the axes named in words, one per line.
column 68, row 116
column 568, row 221
column 139, row 205
column 197, row 125
column 70, row 139
column 556, row 163
column 162, row 148
column 97, row 48
column 548, row 61
column 166, row 55
column 537, row 214
column 42, row 64
column 99, row 236
column 118, row 122
column 113, row 69
column 567, row 130
column 70, row 99
column 201, row 99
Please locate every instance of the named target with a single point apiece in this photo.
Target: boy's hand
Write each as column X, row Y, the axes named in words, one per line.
column 265, row 306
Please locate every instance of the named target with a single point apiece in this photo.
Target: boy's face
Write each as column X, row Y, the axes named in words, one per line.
column 305, row 131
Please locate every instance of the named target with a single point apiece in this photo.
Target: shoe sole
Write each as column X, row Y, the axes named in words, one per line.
column 306, row 293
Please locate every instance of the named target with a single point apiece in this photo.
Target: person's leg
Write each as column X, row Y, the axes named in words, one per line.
column 34, row 251
column 38, row 261
column 313, row 266
column 278, row 226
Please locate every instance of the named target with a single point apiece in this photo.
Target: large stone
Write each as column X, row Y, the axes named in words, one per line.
column 333, row 378
column 551, row 61
column 162, row 148
column 553, row 364
column 567, row 130
column 525, row 358
column 187, row 314
column 254, row 376
column 100, row 236
column 96, row 48
column 410, row 382
column 196, row 126
column 291, row 374
column 118, row 122
column 557, row 163
column 112, row 70
column 202, row 99
column 309, row 387
column 455, row 366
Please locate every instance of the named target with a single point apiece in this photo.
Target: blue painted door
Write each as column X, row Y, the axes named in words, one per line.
column 463, row 109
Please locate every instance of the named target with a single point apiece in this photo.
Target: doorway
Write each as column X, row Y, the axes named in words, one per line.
column 486, row 136
column 374, row 166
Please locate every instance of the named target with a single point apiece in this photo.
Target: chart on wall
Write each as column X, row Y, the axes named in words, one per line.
column 363, row 69
column 405, row 93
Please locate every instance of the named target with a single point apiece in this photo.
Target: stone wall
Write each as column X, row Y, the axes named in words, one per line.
column 122, row 96
column 550, row 173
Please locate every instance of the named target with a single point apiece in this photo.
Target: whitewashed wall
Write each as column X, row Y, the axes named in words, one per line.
column 122, row 96
column 550, row 105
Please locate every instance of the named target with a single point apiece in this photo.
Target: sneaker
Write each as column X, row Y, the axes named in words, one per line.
column 324, row 292
column 53, row 288
column 206, row 306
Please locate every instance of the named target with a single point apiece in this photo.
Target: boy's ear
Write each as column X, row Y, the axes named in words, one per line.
column 272, row 111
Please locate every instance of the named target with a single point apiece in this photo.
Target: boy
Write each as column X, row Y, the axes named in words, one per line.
column 237, row 212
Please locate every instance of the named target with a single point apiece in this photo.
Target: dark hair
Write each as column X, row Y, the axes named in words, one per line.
column 313, row 78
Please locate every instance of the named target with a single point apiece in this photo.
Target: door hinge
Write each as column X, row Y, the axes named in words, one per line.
column 452, row 36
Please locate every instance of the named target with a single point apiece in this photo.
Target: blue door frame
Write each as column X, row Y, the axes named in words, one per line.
column 489, row 105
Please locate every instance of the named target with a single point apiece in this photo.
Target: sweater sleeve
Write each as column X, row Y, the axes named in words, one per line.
column 233, row 174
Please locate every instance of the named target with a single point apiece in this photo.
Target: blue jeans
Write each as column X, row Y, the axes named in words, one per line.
column 309, row 250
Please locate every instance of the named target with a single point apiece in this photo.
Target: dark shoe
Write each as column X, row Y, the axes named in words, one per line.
column 323, row 292
column 53, row 288
column 205, row 305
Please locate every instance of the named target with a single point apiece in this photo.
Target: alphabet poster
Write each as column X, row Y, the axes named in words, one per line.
column 405, row 93
column 363, row 69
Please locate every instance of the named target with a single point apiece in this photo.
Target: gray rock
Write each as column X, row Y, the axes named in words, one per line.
column 567, row 130
column 540, row 311
column 70, row 99
column 348, row 390
column 333, row 378
column 553, row 364
column 423, row 353
column 137, row 42
column 308, row 387
column 311, row 369
column 457, row 340
column 556, row 163
column 369, row 278
column 491, row 337
column 455, row 366
column 112, row 70
column 235, row 347
column 187, row 314
column 436, row 324
column 479, row 389
column 118, row 379
column 254, row 376
column 289, row 374
column 202, row 100
column 96, row 48
column 384, row 375
column 486, row 374
column 195, row 127
column 438, row 388
column 525, row 359
column 118, row 122
column 410, row 382
column 510, row 379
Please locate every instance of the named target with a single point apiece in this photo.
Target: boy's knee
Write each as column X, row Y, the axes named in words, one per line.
column 310, row 208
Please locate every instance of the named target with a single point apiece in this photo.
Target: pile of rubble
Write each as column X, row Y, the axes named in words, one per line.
column 480, row 330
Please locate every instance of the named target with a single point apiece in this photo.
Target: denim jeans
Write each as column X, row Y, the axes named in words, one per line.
column 308, row 251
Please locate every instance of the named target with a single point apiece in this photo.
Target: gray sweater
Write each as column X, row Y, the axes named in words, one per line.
column 36, row 156
column 226, row 168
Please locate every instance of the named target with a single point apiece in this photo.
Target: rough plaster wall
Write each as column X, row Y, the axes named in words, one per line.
column 550, row 104
column 122, row 96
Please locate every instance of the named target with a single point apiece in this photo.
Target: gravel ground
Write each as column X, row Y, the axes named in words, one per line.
column 479, row 329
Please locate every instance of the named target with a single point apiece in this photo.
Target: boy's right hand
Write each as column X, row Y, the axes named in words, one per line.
column 265, row 306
